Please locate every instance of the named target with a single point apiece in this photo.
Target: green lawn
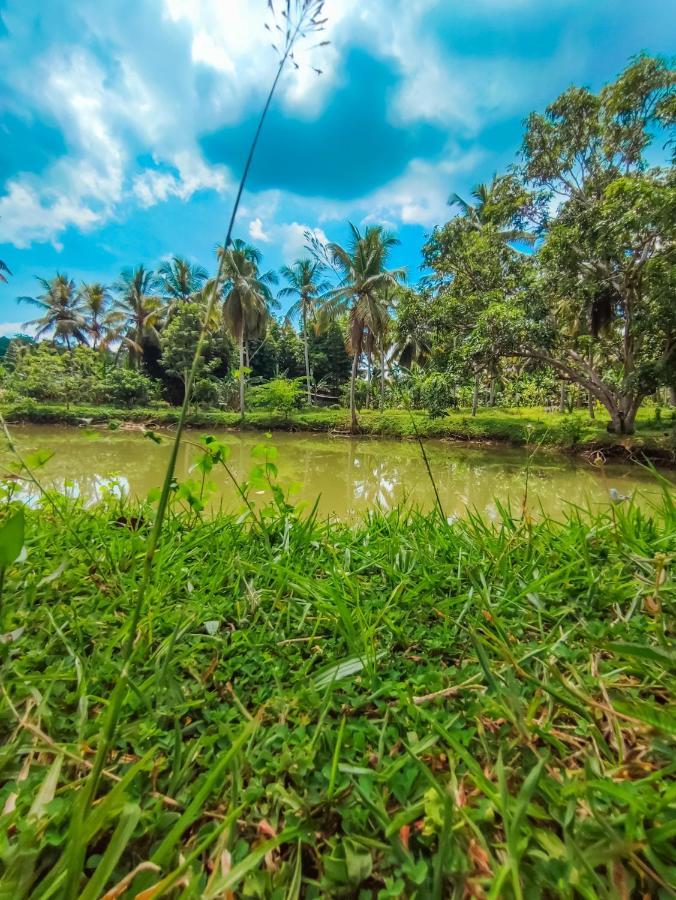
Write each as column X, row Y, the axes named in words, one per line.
column 403, row 709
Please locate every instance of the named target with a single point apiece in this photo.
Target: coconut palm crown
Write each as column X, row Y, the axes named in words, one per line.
column 141, row 309
column 62, row 311
column 247, row 297
column 363, row 277
column 304, row 285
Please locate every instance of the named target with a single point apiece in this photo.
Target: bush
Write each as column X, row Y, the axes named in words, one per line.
column 280, row 394
column 129, row 387
column 434, row 392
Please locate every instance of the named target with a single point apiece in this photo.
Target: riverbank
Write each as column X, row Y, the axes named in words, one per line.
column 654, row 439
column 403, row 708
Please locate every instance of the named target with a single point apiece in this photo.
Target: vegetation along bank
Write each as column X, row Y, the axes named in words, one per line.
column 654, row 438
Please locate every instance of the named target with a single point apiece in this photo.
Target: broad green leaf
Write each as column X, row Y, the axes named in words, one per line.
column 643, row 651
column 47, row 789
column 11, row 538
column 358, row 861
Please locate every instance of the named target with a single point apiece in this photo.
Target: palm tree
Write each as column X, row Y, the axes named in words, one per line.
column 247, row 298
column 103, row 324
column 384, row 333
column 62, row 311
column 141, row 310
column 303, row 284
column 4, row 268
column 361, row 267
column 480, row 214
column 180, row 279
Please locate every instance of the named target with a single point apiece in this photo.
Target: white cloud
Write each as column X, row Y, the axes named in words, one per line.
column 293, row 240
column 162, row 81
column 9, row 329
column 256, row 232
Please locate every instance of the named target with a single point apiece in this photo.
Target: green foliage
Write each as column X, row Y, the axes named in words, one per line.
column 435, row 392
column 43, row 373
column 280, row 394
column 279, row 353
column 128, row 387
column 11, row 537
column 10, row 346
column 179, row 342
column 329, row 360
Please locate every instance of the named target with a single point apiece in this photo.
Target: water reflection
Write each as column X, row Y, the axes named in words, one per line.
column 350, row 476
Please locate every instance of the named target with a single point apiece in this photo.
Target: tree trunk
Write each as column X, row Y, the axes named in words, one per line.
column 353, row 410
column 475, row 397
column 591, row 402
column 623, row 414
column 382, row 373
column 491, row 399
column 307, row 359
column 672, row 392
column 368, row 379
column 241, row 375
column 562, row 397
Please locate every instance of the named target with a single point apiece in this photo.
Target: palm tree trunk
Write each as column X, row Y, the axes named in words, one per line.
column 241, row 374
column 368, row 378
column 475, row 396
column 382, row 372
column 307, row 359
column 353, row 380
column 562, row 398
column 491, row 400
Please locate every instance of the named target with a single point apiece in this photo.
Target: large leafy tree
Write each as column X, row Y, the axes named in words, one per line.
column 62, row 311
column 414, row 327
column 305, row 286
column 363, row 273
column 179, row 340
column 247, row 298
column 141, row 309
column 475, row 271
column 330, row 361
column 609, row 246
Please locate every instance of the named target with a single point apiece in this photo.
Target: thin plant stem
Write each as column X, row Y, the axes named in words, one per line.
column 76, row 846
column 429, row 470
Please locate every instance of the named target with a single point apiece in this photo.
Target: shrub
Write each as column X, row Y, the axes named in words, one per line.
column 280, row 394
column 129, row 387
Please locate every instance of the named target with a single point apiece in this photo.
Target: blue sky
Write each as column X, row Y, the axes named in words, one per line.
column 123, row 123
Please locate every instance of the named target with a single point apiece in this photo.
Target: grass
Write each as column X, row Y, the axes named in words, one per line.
column 401, row 709
column 517, row 426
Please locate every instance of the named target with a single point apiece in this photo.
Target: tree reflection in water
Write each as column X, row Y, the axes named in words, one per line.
column 350, row 475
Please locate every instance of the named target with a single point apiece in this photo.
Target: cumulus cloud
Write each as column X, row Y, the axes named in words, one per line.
column 293, row 239
column 10, row 329
column 256, row 232
column 133, row 85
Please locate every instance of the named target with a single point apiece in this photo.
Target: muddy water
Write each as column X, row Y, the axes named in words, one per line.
column 349, row 476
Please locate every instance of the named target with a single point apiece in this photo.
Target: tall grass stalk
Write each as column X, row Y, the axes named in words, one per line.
column 307, row 11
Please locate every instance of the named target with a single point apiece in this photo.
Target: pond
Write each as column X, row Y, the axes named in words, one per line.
column 349, row 475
